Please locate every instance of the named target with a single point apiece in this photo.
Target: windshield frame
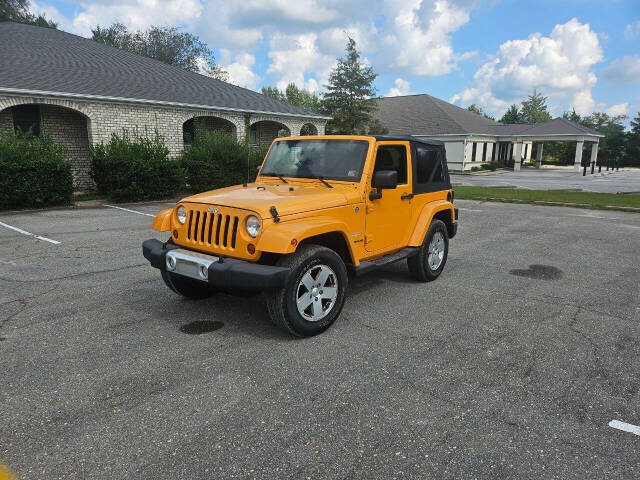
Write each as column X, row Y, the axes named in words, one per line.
column 333, row 178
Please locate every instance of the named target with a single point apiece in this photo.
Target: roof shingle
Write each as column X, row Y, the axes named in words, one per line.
column 48, row 60
column 423, row 114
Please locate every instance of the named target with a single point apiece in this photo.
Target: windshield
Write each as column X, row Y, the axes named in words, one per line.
column 329, row 159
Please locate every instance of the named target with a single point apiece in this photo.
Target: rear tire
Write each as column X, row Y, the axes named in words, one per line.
column 428, row 264
column 187, row 287
column 314, row 293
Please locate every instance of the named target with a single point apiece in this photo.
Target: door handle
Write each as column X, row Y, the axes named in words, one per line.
column 406, row 196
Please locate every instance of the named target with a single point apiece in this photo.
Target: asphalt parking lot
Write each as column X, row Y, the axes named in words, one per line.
column 556, row 178
column 510, row 365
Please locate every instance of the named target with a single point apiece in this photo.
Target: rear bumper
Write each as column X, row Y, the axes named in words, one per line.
column 227, row 274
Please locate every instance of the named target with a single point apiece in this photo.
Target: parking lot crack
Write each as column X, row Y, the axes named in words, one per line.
column 594, row 346
column 75, row 275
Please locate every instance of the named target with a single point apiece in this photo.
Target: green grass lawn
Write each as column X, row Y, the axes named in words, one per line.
column 581, row 199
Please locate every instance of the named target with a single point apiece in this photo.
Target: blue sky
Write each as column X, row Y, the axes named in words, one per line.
column 581, row 54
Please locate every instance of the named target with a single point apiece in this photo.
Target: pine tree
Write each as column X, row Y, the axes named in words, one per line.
column 534, row 109
column 512, row 115
column 348, row 97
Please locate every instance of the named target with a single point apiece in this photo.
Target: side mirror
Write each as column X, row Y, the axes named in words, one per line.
column 384, row 179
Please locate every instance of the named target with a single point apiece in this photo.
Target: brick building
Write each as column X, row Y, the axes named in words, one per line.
column 80, row 92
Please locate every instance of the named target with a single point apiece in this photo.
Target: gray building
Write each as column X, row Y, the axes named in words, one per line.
column 80, row 92
column 471, row 139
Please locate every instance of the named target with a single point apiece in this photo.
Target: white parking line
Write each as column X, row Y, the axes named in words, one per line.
column 127, row 210
column 24, row 232
column 625, row 427
column 470, row 210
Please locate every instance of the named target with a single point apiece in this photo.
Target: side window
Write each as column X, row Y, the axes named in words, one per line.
column 427, row 162
column 392, row 157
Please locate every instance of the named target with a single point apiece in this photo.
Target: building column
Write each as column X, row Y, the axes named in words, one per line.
column 578, row 160
column 517, row 157
column 594, row 152
column 539, row 155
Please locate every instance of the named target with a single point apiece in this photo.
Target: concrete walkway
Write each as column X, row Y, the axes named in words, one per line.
column 556, row 178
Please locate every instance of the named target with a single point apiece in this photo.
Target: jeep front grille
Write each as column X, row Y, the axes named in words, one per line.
column 212, row 229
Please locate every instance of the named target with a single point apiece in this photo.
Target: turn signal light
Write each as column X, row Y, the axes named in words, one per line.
column 175, row 234
column 251, row 248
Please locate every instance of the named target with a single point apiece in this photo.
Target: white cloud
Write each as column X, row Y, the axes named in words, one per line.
column 293, row 57
column 633, row 30
column 420, row 41
column 623, row 70
column 240, row 70
column 618, row 109
column 402, row 37
column 135, row 14
column 559, row 66
column 402, row 87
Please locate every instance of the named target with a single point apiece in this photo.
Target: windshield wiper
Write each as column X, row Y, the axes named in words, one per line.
column 275, row 175
column 318, row 177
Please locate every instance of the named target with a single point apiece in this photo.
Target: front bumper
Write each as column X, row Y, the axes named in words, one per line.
column 223, row 273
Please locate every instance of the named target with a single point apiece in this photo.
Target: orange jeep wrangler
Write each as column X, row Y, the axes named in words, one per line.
column 319, row 206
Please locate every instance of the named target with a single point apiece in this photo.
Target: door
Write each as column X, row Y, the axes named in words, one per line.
column 388, row 218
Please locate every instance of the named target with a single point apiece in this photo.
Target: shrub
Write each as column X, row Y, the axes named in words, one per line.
column 35, row 172
column 493, row 166
column 218, row 159
column 137, row 168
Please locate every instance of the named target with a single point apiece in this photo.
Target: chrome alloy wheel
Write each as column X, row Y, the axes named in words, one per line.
column 436, row 251
column 317, row 293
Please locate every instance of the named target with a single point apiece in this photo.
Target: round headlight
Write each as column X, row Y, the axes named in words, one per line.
column 253, row 226
column 181, row 214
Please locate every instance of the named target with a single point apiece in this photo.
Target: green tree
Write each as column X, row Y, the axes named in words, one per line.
column 348, row 97
column 18, row 11
column 534, row 108
column 166, row 44
column 475, row 109
column 613, row 147
column 295, row 96
column 573, row 117
column 512, row 115
column 273, row 92
column 635, row 125
column 479, row 111
column 633, row 153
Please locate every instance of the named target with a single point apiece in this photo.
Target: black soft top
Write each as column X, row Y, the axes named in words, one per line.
column 408, row 138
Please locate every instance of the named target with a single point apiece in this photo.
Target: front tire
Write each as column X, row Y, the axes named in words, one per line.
column 314, row 293
column 428, row 264
column 187, row 287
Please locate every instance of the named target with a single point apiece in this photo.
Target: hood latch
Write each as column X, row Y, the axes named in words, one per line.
column 274, row 213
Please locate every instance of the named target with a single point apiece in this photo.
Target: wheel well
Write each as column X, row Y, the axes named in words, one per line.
column 333, row 240
column 445, row 217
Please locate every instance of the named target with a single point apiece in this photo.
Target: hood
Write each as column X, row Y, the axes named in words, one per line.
column 288, row 199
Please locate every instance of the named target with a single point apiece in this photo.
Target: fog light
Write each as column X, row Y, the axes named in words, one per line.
column 175, row 234
column 251, row 248
column 204, row 272
column 171, row 263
